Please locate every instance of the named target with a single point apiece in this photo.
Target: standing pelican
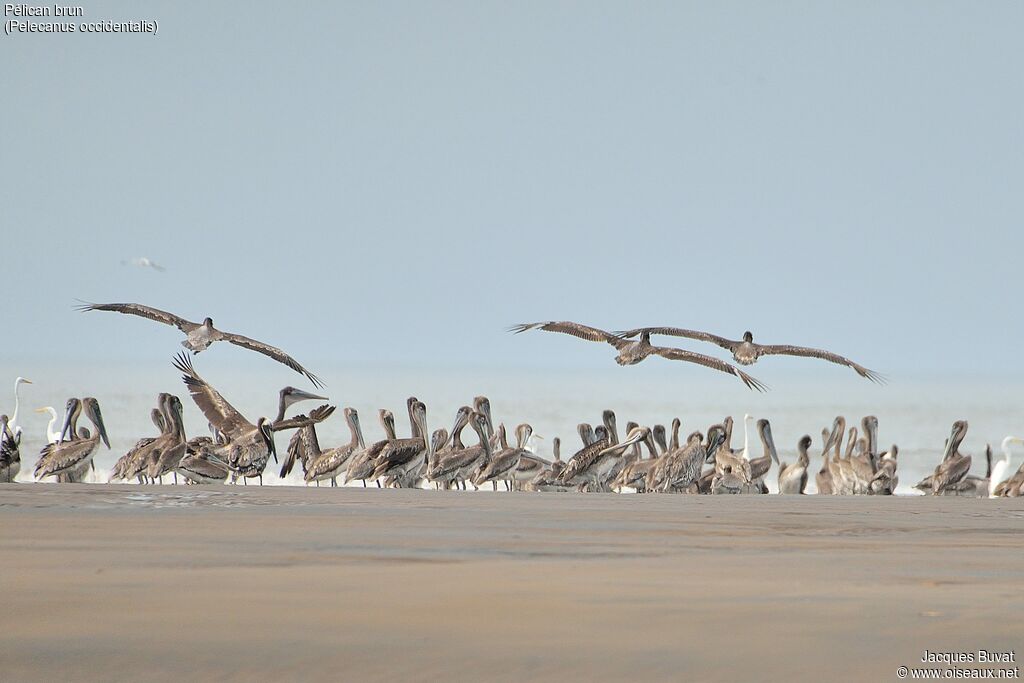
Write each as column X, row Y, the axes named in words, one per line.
column 402, row 460
column 171, row 448
column 886, row 480
column 746, row 352
column 759, row 467
column 10, row 452
column 249, row 445
column 65, row 457
column 460, row 462
column 126, row 463
column 793, row 478
column 954, row 466
column 1002, row 466
column 361, row 465
column 823, row 478
column 199, row 336
column 330, row 463
column 504, row 463
column 588, row 466
column 632, row 352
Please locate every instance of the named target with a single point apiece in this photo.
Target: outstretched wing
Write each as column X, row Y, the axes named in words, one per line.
column 217, row 410
column 575, row 329
column 709, row 362
column 786, row 350
column 145, row 312
column 680, row 332
column 315, row 416
column 272, row 351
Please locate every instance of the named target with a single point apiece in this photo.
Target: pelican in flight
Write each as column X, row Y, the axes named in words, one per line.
column 746, row 352
column 632, row 352
column 199, row 336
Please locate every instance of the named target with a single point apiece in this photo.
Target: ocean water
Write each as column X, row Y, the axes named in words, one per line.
column 915, row 413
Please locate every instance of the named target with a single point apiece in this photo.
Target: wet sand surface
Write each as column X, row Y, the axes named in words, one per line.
column 168, row 583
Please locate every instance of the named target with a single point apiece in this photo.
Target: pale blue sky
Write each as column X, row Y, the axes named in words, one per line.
column 394, row 183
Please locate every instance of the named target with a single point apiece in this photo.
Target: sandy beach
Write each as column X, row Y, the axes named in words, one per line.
column 279, row 583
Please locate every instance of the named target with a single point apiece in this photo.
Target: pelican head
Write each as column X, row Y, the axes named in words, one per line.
column 439, row 438
column 956, row 437
column 289, row 396
column 608, row 418
column 71, row 412
column 462, row 416
column 600, row 433
column 804, row 443
column 765, row 430
column 92, row 410
column 482, row 405
column 716, row 437
column 748, row 337
column 208, row 322
column 523, row 434
column 478, row 421
column 636, row 435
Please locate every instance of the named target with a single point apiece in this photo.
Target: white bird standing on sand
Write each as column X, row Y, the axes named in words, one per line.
column 52, row 435
column 12, row 423
column 1001, row 467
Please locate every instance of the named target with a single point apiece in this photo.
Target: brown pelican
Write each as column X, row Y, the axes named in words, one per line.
column 886, row 480
column 1002, row 466
column 634, row 474
column 10, row 452
column 954, row 466
column 732, row 462
column 793, row 478
column 170, row 448
column 503, row 465
column 459, row 462
column 759, row 467
column 199, row 336
column 12, row 423
column 1012, row 487
column 330, row 463
column 67, row 456
column 682, row 467
column 746, row 352
column 200, row 465
column 402, row 460
column 249, row 445
column 547, row 479
column 632, row 352
column 361, row 465
column 824, row 477
column 588, row 466
column 127, row 462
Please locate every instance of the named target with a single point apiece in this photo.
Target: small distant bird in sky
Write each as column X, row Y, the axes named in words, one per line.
column 144, row 262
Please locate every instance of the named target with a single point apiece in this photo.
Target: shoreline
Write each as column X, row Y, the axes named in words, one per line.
column 237, row 583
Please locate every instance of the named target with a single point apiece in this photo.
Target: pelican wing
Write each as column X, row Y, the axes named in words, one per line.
column 62, row 456
column 217, row 410
column 709, row 362
column 786, row 350
column 575, row 329
column 680, row 332
column 145, row 312
column 272, row 351
column 301, row 421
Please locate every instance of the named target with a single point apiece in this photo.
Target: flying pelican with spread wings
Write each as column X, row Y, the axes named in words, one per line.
column 632, row 352
column 746, row 352
column 199, row 336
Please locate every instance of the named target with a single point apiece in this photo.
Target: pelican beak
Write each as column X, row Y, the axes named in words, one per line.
column 300, row 395
column 26, row 381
